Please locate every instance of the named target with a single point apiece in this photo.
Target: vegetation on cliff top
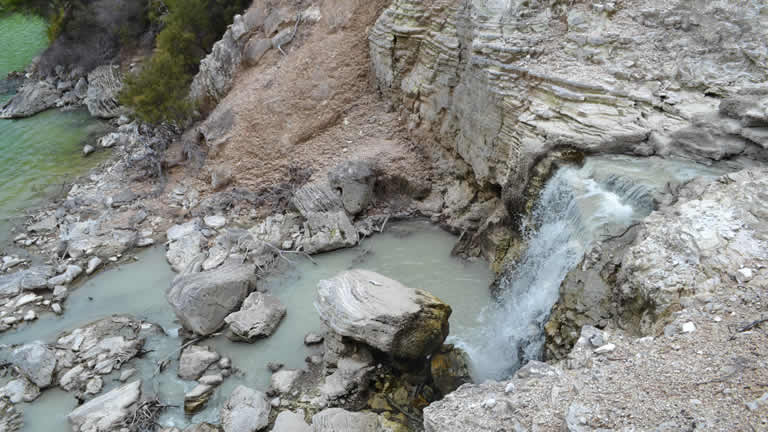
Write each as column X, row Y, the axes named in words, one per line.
column 189, row 29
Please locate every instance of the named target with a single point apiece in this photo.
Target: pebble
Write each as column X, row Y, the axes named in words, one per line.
column 275, row 402
column 689, row 327
column 113, row 259
column 745, row 274
column 211, row 380
column 717, row 319
column 56, row 308
column 312, row 339
column 489, row 403
column 93, row 264
column 225, row 363
column 605, row 348
column 60, row 292
column 510, row 388
column 215, row 222
column 30, row 315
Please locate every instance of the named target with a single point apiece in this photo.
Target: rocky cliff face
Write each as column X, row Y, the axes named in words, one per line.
column 499, row 84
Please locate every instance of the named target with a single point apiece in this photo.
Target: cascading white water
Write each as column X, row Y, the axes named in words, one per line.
column 577, row 206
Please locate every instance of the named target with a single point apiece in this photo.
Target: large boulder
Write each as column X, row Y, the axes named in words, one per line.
column 246, row 410
column 31, row 99
column 104, row 85
column 201, row 301
column 258, row 317
column 36, row 361
column 370, row 308
column 355, row 180
column 106, row 412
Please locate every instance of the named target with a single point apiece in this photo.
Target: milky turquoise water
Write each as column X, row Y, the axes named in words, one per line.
column 37, row 154
column 21, row 39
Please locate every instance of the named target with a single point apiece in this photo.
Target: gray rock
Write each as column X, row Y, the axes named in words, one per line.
column 329, row 226
column 31, row 279
column 88, row 149
column 182, row 252
column 211, row 380
column 258, row 317
column 105, row 412
column 81, row 88
column 351, row 376
column 283, row 381
column 313, row 339
column 255, row 50
column 339, row 420
column 355, row 180
column 246, row 410
column 201, row 301
column 375, row 310
column 289, row 421
column 45, row 224
column 70, row 274
column 104, row 85
column 36, row 362
column 30, row 99
column 195, row 399
column 194, row 361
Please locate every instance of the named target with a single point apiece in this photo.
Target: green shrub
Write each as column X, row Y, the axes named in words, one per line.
column 190, row 28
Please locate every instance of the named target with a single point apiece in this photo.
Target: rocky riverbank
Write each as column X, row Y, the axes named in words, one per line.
column 481, row 103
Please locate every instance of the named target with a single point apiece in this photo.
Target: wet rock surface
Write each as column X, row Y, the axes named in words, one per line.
column 203, row 300
column 106, row 412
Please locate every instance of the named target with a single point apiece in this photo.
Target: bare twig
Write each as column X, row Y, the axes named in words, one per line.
column 402, row 410
column 293, row 34
column 161, row 364
column 384, row 224
column 751, row 325
column 613, row 237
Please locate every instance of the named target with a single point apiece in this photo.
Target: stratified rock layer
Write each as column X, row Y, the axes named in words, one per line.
column 383, row 313
column 499, row 84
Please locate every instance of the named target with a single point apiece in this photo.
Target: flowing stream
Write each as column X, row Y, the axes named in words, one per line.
column 576, row 207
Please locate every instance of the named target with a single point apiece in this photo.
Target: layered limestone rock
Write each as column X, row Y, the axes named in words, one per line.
column 32, row 98
column 367, row 307
column 500, row 84
column 104, row 85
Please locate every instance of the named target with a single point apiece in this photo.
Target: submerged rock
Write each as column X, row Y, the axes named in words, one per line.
column 203, row 300
column 246, row 410
column 370, row 308
column 106, row 412
column 258, row 317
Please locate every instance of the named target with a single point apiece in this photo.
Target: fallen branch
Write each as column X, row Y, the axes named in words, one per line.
column 293, row 34
column 614, row 237
column 384, row 224
column 164, row 362
column 402, row 410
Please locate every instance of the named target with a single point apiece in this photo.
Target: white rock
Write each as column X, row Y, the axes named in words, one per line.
column 605, row 348
column 745, row 274
column 105, row 412
column 31, row 315
column 510, row 388
column 689, row 327
column 93, row 264
column 56, row 308
column 215, row 222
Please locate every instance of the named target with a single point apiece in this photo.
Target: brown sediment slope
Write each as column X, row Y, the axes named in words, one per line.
column 312, row 106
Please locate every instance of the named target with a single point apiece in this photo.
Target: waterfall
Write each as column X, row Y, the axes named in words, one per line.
column 577, row 206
